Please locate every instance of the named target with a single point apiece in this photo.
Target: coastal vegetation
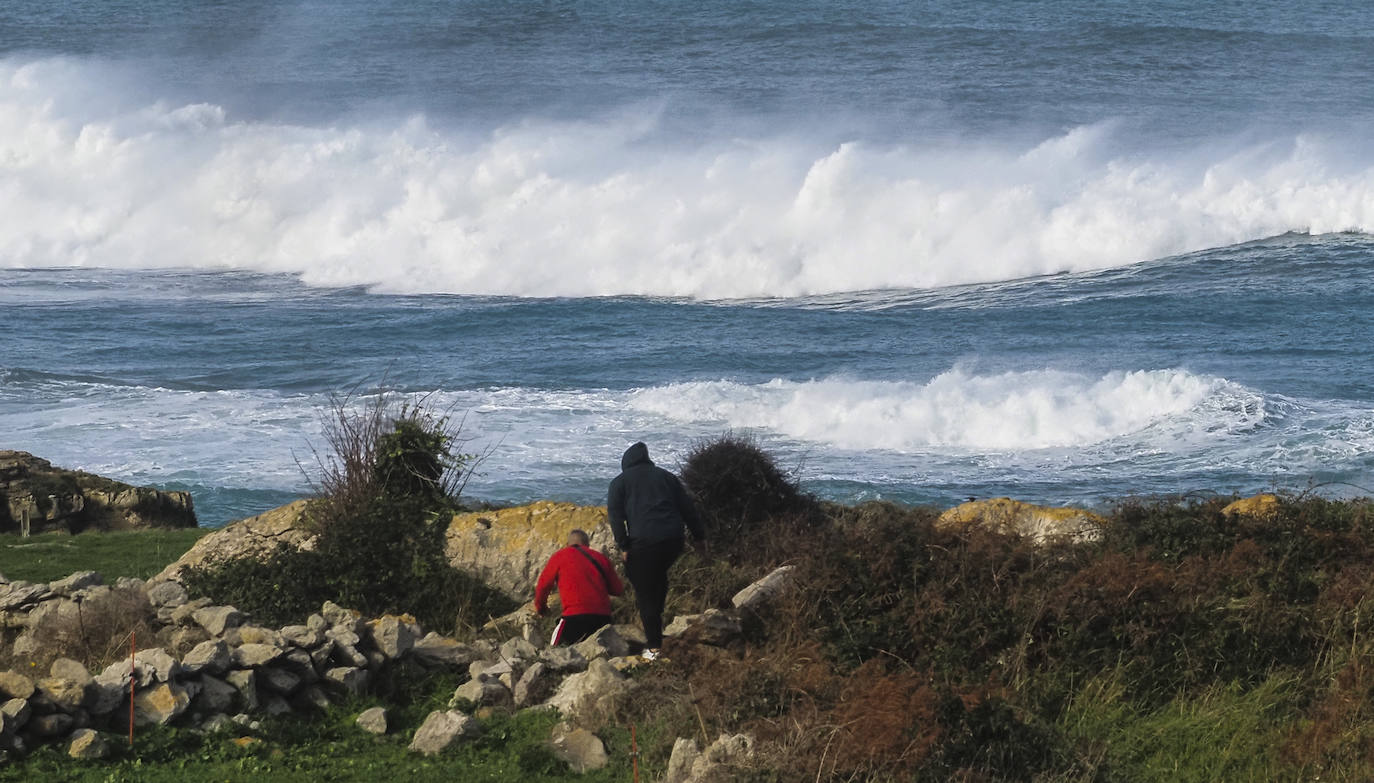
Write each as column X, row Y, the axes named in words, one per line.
column 1184, row 639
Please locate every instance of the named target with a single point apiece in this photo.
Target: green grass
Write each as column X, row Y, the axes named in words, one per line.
column 327, row 748
column 50, row 556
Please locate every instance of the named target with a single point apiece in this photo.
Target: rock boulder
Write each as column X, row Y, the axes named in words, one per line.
column 508, row 547
column 51, row 498
column 1038, row 523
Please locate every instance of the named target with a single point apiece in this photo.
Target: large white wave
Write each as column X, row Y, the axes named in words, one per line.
column 965, row 412
column 91, row 178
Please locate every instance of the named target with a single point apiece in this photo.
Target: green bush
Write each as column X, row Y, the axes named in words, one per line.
column 738, row 488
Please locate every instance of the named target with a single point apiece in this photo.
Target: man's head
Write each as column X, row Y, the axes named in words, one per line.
column 579, row 538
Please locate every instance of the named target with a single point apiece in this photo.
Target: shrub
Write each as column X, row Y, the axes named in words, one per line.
column 94, row 631
column 389, row 489
column 738, row 487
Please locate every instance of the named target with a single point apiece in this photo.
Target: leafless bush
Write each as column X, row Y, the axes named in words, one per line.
column 95, row 631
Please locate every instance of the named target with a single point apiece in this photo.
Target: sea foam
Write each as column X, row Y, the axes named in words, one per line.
column 604, row 207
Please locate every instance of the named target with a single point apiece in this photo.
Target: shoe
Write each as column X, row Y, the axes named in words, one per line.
column 649, row 656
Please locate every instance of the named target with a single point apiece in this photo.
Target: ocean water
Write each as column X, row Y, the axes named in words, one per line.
column 1065, row 251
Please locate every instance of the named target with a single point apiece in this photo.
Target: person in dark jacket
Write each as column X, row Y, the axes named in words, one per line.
column 586, row 580
column 648, row 510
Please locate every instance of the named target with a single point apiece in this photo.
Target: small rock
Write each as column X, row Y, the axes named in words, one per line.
column 77, row 581
column 167, row 594
column 441, row 731
column 215, row 695
column 757, row 596
column 336, row 615
column 373, row 721
column 21, row 594
column 580, row 749
column 518, row 649
column 534, row 686
column 303, row 636
column 482, row 693
column 599, row 688
column 712, row 627
column 15, row 685
column 245, row 681
column 253, row 634
column 160, row 704
column 279, row 680
column 88, row 744
column 217, row 722
column 605, row 643
column 393, row 636
column 349, row 678
column 685, row 754
column 67, row 695
column 317, row 623
column 68, row 669
column 129, row 583
column 311, row 697
column 217, row 619
column 185, row 615
column 436, row 650
column 563, row 660
column 16, row 712
column 251, row 656
column 211, row 657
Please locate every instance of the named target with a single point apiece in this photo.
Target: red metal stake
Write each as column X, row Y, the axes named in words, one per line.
column 634, row 751
column 133, row 645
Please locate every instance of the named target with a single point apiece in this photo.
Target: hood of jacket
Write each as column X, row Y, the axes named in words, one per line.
column 635, row 455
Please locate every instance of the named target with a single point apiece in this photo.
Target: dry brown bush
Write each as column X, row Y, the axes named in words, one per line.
column 95, row 631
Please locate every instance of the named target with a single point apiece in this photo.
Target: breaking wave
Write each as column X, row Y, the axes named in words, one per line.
column 602, row 208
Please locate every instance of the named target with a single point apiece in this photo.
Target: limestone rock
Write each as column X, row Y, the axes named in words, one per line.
column 186, row 613
column 251, row 537
column 279, row 680
column 217, row 619
column 507, row 548
column 216, row 695
column 712, row 627
column 720, row 763
column 167, row 594
column 254, row 634
column 534, row 686
column 518, row 650
column 15, row 685
column 88, row 744
column 393, row 636
column 605, row 643
column 1038, row 523
column 16, row 712
column 757, row 596
column 580, row 749
column 483, row 692
column 251, row 656
column 563, row 660
column 436, row 650
column 53, row 498
column 211, row 657
column 373, row 721
column 77, row 581
column 67, row 695
column 351, row 679
column 245, row 681
column 443, row 730
column 160, row 704
column 600, row 687
column 303, row 636
column 20, row 595
column 1260, row 506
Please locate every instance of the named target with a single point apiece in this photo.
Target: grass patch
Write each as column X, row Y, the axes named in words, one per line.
column 136, row 553
column 327, row 748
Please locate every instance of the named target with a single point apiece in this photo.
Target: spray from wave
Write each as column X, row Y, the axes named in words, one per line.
column 598, row 208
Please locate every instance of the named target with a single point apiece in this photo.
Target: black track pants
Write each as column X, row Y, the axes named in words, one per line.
column 573, row 628
column 648, row 571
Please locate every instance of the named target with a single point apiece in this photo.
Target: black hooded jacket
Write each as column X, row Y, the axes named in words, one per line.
column 651, row 500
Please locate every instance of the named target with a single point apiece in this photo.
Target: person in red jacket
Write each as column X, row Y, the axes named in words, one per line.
column 586, row 580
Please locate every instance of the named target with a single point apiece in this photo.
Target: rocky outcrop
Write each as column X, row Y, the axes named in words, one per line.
column 251, row 537
column 1260, row 506
column 1015, row 517
column 505, row 548
column 51, row 498
column 508, row 547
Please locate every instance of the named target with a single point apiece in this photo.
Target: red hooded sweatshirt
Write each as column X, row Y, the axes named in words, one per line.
column 581, row 587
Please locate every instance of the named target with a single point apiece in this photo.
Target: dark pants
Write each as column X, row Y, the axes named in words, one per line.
column 573, row 628
column 647, row 569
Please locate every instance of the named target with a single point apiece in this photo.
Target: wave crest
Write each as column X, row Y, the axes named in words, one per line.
column 594, row 208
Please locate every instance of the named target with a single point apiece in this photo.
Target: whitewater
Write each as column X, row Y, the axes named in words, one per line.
column 1070, row 252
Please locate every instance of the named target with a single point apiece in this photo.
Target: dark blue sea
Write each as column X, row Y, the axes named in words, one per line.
column 1067, row 251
